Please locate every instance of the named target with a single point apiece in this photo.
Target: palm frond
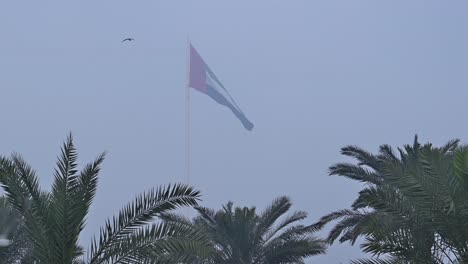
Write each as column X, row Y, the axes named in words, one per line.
column 450, row 146
column 295, row 217
column 377, row 261
column 355, row 172
column 386, row 153
column 460, row 170
column 85, row 192
column 294, row 250
column 362, row 156
column 157, row 243
column 324, row 220
column 63, row 203
column 275, row 210
column 140, row 212
column 24, row 194
column 26, row 181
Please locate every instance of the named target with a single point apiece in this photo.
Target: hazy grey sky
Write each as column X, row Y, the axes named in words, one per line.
column 313, row 76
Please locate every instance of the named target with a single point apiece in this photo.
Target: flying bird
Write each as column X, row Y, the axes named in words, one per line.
column 128, row 39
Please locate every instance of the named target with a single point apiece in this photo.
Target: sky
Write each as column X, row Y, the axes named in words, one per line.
column 313, row 76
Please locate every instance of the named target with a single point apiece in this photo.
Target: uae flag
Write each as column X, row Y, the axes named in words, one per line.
column 202, row 79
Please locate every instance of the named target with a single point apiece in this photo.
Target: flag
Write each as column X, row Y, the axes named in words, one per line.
column 202, row 79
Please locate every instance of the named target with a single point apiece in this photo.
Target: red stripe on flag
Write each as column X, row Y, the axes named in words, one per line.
column 197, row 71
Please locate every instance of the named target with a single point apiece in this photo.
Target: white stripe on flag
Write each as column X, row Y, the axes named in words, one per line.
column 213, row 83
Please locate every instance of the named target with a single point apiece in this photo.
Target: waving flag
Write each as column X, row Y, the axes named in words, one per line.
column 202, row 79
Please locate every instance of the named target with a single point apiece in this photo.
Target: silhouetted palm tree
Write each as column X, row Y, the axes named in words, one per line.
column 413, row 209
column 241, row 236
column 54, row 220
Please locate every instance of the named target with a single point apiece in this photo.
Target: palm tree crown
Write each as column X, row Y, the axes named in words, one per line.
column 240, row 235
column 413, row 208
column 55, row 219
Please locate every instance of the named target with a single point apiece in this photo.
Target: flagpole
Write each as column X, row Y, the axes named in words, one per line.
column 187, row 122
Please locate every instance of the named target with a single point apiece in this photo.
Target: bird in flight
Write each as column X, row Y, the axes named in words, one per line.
column 128, row 39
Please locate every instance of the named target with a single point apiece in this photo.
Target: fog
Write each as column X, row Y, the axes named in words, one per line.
column 312, row 76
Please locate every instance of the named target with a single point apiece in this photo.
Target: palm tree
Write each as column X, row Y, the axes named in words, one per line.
column 241, row 236
column 55, row 219
column 413, row 208
column 14, row 244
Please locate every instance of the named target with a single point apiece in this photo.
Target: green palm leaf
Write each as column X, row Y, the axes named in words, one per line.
column 54, row 220
column 413, row 207
column 240, row 235
column 143, row 210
